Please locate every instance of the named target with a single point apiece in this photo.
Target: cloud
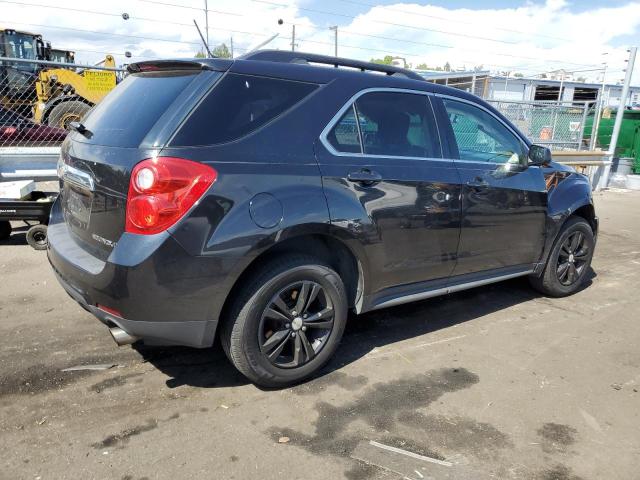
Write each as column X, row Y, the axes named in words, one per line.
column 531, row 38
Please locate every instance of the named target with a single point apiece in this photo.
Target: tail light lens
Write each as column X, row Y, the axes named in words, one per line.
column 162, row 190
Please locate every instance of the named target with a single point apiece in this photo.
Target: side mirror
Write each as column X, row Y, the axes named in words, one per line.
column 539, row 155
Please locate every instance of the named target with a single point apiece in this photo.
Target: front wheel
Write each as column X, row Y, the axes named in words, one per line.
column 287, row 322
column 569, row 260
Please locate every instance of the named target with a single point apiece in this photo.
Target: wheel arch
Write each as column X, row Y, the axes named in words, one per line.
column 326, row 247
column 570, row 198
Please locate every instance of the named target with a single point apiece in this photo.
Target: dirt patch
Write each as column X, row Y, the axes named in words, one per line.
column 337, row 378
column 556, row 438
column 121, row 438
column 459, row 434
column 112, row 382
column 558, row 472
column 379, row 407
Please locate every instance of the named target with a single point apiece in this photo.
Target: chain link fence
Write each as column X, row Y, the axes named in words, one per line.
column 559, row 126
column 40, row 99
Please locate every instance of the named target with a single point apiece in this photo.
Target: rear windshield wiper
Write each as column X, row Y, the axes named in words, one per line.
column 80, row 128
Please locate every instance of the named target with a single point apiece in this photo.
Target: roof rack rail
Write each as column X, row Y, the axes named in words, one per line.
column 284, row 56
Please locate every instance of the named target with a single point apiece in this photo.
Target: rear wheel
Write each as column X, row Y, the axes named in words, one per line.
column 568, row 261
column 5, row 230
column 66, row 112
column 37, row 237
column 287, row 323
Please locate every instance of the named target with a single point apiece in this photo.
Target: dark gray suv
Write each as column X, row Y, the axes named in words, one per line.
column 263, row 198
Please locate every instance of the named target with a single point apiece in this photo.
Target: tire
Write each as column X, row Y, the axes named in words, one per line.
column 65, row 112
column 5, row 230
column 557, row 281
column 37, row 237
column 249, row 330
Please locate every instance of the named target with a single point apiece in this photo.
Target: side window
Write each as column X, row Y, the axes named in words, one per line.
column 480, row 136
column 237, row 106
column 344, row 136
column 397, row 124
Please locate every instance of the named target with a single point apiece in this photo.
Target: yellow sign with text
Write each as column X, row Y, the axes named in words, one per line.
column 100, row 81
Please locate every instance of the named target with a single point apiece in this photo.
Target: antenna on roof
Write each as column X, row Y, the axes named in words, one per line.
column 203, row 40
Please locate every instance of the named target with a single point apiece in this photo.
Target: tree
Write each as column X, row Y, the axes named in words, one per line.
column 221, row 51
column 383, row 61
column 518, row 75
column 447, row 67
column 422, row 66
column 581, row 79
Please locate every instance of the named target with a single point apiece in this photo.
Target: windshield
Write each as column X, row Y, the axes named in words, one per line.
column 20, row 45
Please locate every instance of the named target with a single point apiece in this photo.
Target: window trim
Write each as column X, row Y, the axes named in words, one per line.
column 352, row 102
column 519, row 136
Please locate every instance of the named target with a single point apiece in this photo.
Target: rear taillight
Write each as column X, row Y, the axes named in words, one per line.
column 162, row 190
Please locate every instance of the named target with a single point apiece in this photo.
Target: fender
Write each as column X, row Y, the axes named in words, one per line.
column 568, row 191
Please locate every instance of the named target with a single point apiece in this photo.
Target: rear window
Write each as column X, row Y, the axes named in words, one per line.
column 237, row 106
column 125, row 116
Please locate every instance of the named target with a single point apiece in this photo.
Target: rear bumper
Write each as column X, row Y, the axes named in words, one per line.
column 165, row 295
column 199, row 334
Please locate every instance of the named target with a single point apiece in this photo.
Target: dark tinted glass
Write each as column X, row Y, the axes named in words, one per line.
column 481, row 137
column 238, row 105
column 344, row 136
column 397, row 124
column 125, row 116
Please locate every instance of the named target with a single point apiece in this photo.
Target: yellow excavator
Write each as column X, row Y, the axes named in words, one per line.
column 65, row 95
column 53, row 96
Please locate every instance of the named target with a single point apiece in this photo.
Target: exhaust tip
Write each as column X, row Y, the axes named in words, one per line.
column 121, row 337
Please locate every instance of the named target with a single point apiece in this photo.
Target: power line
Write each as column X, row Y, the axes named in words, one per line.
column 450, row 19
column 345, row 32
column 335, row 14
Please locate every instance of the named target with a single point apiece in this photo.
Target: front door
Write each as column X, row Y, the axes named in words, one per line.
column 388, row 187
column 503, row 199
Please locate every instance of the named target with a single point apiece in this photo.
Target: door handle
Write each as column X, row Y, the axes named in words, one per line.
column 364, row 176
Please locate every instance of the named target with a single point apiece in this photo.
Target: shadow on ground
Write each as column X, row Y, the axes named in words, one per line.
column 208, row 368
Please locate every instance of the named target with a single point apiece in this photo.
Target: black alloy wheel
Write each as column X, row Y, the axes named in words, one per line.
column 572, row 258
column 296, row 324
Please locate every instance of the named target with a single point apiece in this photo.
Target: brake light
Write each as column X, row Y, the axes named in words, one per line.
column 110, row 311
column 162, row 190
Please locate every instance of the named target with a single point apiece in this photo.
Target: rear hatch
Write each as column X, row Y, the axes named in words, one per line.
column 132, row 123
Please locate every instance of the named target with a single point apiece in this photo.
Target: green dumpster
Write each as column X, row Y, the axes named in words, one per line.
column 629, row 139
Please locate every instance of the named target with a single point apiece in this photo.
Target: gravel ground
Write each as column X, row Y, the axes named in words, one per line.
column 496, row 382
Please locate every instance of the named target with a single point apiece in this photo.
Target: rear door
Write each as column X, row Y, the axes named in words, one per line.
column 388, row 186
column 503, row 199
column 129, row 125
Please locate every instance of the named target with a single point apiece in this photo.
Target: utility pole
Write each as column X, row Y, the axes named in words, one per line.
column 206, row 22
column 619, row 115
column 293, row 37
column 335, row 39
column 231, row 46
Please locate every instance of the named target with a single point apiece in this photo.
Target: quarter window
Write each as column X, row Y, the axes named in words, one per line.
column 239, row 105
column 480, row 136
column 344, row 136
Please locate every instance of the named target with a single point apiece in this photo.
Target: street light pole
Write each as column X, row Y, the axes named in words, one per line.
column 293, row 37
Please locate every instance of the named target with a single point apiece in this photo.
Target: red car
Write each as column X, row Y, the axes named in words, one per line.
column 19, row 131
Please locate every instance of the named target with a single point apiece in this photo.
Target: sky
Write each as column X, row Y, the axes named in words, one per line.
column 528, row 37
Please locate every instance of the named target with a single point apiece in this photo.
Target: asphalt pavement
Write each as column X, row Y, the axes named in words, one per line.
column 496, row 382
